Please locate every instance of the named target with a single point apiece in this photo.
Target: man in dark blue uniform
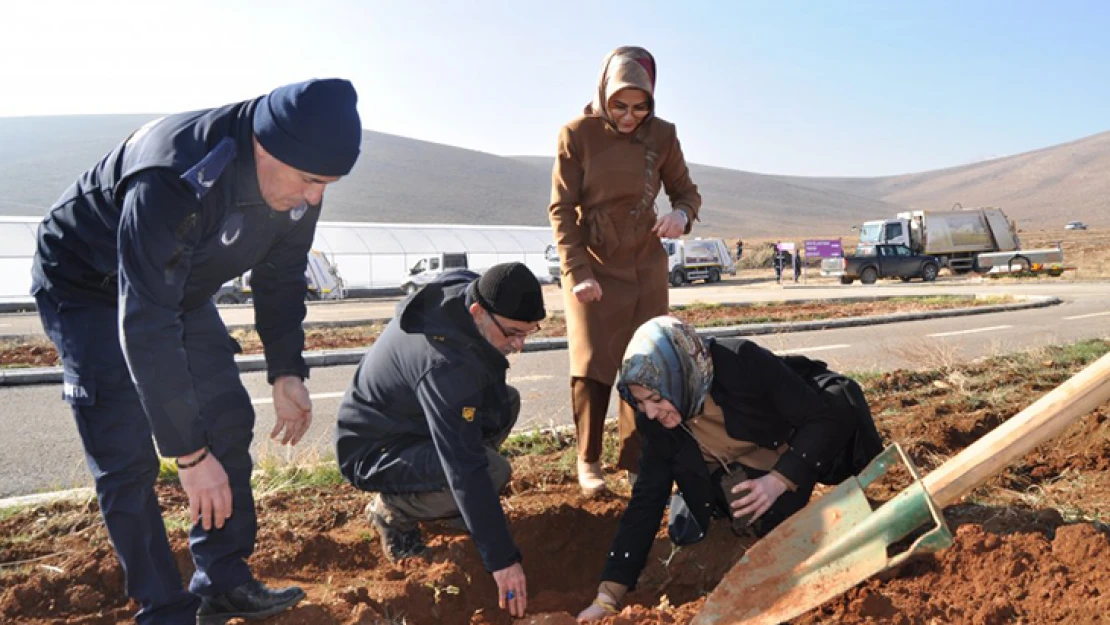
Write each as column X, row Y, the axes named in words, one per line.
column 428, row 408
column 126, row 265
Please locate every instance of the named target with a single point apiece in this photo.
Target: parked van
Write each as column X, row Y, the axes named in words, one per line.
column 430, row 267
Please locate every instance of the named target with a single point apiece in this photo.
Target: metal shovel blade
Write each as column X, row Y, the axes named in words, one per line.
column 825, row 549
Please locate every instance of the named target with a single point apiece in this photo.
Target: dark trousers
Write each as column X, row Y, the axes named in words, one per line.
column 683, row 528
column 121, row 456
column 418, row 486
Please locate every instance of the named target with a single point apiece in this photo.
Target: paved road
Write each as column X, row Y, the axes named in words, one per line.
column 40, row 449
column 736, row 290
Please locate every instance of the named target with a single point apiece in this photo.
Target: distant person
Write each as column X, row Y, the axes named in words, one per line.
column 744, row 434
column 739, row 249
column 779, row 260
column 796, row 260
column 126, row 265
column 609, row 167
column 429, row 407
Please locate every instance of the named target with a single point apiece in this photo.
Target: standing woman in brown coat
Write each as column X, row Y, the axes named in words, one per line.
column 610, row 165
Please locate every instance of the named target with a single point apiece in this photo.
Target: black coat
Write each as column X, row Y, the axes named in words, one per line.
column 764, row 401
column 431, row 376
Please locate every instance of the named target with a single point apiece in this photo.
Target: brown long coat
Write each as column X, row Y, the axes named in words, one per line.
column 603, row 191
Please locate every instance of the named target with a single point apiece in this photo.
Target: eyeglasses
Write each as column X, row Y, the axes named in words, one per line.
column 514, row 333
column 620, row 109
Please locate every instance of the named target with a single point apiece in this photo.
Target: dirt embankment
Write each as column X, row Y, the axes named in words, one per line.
column 1029, row 547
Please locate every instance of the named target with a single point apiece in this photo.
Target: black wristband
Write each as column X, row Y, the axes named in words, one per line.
column 194, row 462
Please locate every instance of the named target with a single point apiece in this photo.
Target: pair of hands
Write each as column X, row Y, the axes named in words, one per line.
column 206, row 484
column 511, row 580
column 669, row 226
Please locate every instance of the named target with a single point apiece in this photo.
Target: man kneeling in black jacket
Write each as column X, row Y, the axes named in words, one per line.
column 428, row 409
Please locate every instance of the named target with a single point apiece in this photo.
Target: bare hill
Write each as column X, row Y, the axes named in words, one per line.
column 405, row 180
column 1040, row 189
column 740, row 203
column 41, row 156
column 397, row 179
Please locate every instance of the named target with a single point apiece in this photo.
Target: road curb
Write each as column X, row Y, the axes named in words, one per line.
column 41, row 499
column 336, row 357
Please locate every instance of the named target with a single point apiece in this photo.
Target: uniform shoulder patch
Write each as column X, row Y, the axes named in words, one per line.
column 202, row 176
column 468, row 413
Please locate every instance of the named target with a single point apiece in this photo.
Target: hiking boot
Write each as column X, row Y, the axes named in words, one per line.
column 251, row 601
column 397, row 544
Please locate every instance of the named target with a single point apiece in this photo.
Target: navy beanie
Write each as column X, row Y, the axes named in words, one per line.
column 312, row 125
column 510, row 290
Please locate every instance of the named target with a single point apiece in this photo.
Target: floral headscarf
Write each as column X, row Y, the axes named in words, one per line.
column 668, row 357
column 626, row 67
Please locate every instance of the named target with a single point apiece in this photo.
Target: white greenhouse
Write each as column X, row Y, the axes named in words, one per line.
column 370, row 257
column 17, row 247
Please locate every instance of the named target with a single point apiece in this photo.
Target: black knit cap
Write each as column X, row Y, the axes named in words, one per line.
column 510, row 290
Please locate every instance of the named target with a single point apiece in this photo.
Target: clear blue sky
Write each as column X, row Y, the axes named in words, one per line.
column 808, row 88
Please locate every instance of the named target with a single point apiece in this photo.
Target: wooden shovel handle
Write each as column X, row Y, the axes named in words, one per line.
column 1043, row 420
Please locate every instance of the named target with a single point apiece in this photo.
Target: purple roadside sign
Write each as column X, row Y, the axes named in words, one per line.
column 823, row 248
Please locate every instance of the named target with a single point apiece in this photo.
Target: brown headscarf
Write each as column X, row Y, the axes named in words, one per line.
column 626, row 67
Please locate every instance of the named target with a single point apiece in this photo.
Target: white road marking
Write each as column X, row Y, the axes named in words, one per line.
column 269, row 400
column 990, row 329
column 805, row 350
column 1087, row 316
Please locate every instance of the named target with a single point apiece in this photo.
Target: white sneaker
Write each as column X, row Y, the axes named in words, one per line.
column 590, row 478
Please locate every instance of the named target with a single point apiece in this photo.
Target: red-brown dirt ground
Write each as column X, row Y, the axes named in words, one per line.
column 1030, row 547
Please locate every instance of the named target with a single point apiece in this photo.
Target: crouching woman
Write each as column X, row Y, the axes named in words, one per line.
column 745, row 434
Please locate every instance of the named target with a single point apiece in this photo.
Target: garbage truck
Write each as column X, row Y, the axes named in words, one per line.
column 698, row 259
column 322, row 282
column 957, row 237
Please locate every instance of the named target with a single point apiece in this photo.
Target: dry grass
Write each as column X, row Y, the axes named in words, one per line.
column 1088, row 251
column 930, row 353
column 1061, row 494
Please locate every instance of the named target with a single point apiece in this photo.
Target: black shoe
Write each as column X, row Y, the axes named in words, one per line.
column 397, row 544
column 251, row 601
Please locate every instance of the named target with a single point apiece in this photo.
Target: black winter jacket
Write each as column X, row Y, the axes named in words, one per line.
column 431, row 375
column 764, row 401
